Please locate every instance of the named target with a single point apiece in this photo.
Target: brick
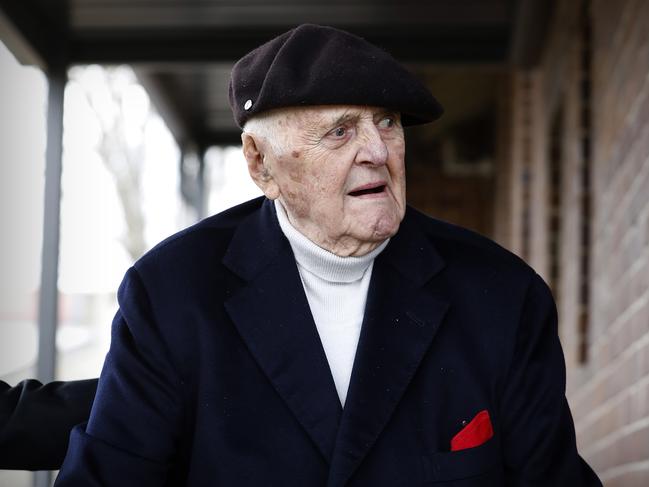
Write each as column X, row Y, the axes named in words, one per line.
column 609, row 396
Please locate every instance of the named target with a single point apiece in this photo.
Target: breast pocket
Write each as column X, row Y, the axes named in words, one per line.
column 481, row 466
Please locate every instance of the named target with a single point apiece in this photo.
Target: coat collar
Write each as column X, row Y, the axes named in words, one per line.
column 401, row 319
column 259, row 240
column 273, row 317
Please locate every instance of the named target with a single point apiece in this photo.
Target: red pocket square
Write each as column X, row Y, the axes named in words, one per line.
column 478, row 431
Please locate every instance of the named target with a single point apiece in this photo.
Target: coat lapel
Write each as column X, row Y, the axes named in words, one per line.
column 272, row 315
column 401, row 319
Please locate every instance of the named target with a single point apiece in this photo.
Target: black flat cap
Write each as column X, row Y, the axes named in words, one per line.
column 317, row 65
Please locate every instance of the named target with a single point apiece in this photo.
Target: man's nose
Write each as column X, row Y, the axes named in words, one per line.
column 373, row 149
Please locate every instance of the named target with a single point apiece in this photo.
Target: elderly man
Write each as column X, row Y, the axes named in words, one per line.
column 327, row 335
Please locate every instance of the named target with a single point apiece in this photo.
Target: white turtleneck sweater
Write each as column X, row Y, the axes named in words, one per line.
column 336, row 289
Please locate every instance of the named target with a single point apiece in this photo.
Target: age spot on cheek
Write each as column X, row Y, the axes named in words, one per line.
column 295, row 154
column 296, row 175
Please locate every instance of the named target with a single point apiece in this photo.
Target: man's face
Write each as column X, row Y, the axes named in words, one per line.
column 340, row 175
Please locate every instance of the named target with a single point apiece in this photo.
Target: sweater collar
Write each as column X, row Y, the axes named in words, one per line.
column 324, row 264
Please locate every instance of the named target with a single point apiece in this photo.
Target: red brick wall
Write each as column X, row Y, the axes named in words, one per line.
column 609, row 391
column 614, row 402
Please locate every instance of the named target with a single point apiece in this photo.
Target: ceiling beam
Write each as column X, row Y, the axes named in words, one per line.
column 443, row 45
column 530, row 26
column 18, row 44
column 220, row 138
column 184, row 14
column 170, row 111
column 35, row 34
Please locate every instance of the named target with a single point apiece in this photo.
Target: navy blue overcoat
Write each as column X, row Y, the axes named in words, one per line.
column 216, row 375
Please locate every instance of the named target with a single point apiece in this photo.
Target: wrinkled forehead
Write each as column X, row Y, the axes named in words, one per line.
column 324, row 116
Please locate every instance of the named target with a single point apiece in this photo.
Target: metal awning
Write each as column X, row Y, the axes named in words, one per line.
column 183, row 50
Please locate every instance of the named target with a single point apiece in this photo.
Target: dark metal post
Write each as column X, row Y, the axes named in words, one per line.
column 48, row 299
column 192, row 183
column 201, row 190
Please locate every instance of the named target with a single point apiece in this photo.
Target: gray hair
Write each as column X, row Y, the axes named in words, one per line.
column 265, row 126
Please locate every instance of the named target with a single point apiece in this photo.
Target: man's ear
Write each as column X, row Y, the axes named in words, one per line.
column 258, row 167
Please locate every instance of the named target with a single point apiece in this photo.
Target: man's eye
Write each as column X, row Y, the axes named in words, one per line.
column 386, row 123
column 338, row 132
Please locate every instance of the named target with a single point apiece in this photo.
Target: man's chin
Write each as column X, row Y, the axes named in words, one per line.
column 383, row 228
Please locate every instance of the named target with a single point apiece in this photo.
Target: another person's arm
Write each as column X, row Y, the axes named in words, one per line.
column 36, row 419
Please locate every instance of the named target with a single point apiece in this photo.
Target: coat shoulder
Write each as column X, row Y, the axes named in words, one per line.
column 465, row 249
column 203, row 243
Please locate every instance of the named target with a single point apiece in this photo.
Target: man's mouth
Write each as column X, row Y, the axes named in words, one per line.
column 372, row 188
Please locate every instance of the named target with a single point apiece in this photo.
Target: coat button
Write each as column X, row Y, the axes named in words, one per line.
column 247, row 105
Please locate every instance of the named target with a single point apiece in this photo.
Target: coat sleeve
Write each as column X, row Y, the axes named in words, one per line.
column 537, row 428
column 36, row 419
column 132, row 434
